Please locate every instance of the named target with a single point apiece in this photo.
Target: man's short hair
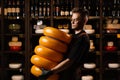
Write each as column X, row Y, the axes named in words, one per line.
column 83, row 12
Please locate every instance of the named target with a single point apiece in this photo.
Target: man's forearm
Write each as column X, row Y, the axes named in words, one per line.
column 62, row 66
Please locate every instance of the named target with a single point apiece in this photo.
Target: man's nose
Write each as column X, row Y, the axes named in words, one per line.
column 72, row 21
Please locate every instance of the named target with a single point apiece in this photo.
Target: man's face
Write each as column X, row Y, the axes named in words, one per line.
column 76, row 21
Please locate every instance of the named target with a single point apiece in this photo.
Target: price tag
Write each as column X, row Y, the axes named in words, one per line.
column 98, row 53
column 21, row 35
column 118, row 35
column 97, row 35
column 97, row 70
column 118, row 52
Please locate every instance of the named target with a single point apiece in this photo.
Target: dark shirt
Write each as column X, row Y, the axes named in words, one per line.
column 78, row 50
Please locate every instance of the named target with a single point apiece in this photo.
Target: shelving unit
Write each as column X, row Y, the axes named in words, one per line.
column 30, row 13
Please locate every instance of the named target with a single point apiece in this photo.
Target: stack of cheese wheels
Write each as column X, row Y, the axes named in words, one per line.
column 50, row 51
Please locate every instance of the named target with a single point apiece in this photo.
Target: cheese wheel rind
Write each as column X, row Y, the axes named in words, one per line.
column 57, row 34
column 52, row 44
column 42, row 62
column 48, row 53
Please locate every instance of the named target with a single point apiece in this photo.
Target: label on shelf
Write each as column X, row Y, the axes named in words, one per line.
column 118, row 35
column 98, row 53
column 0, row 10
column 97, row 35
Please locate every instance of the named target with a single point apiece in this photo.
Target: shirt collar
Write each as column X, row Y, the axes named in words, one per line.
column 80, row 32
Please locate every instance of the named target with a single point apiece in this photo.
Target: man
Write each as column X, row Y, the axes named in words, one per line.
column 69, row 68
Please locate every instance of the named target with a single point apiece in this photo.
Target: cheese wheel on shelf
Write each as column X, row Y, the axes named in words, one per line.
column 53, row 44
column 48, row 53
column 14, row 38
column 36, row 71
column 42, row 62
column 57, row 34
column 12, row 43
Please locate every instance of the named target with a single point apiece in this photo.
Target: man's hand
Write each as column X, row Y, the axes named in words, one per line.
column 45, row 74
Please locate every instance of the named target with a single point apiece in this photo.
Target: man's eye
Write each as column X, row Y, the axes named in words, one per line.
column 74, row 20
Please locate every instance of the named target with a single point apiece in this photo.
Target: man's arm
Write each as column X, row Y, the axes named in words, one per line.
column 62, row 65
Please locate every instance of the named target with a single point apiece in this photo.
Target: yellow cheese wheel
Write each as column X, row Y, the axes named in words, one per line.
column 53, row 44
column 42, row 62
column 57, row 34
column 36, row 71
column 48, row 53
column 12, row 43
column 14, row 38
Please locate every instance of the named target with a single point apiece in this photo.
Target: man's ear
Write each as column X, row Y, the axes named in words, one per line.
column 86, row 19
